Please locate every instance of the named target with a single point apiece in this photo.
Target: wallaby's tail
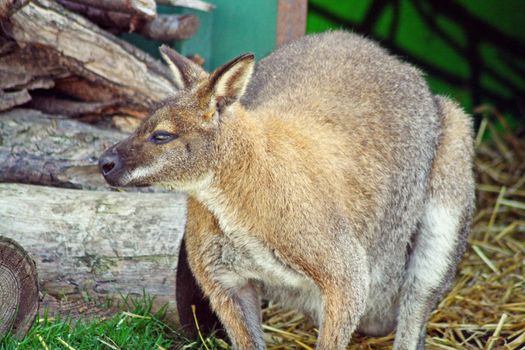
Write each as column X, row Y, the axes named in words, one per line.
column 455, row 150
column 445, row 223
column 452, row 178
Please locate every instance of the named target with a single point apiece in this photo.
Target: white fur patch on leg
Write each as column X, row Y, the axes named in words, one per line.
column 435, row 244
column 430, row 259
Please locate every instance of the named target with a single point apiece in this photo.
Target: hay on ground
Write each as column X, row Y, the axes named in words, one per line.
column 486, row 307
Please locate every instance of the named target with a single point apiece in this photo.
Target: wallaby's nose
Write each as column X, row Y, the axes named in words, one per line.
column 109, row 161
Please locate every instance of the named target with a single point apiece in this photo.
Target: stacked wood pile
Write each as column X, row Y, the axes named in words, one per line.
column 18, row 306
column 62, row 64
column 64, row 56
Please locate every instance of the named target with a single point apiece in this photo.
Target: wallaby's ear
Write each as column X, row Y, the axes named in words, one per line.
column 229, row 81
column 185, row 72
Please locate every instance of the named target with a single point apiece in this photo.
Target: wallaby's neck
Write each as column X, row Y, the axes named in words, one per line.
column 242, row 145
column 240, row 183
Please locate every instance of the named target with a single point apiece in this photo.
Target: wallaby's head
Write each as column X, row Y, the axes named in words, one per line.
column 177, row 143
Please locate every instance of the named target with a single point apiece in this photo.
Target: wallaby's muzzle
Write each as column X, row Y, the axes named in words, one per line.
column 110, row 166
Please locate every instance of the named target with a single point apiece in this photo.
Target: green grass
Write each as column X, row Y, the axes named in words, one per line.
column 138, row 328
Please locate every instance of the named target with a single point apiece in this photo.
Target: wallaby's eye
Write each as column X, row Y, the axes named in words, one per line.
column 161, row 137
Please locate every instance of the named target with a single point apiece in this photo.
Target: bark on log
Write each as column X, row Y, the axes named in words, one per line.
column 143, row 8
column 21, row 71
column 20, row 67
column 11, row 99
column 192, row 4
column 89, row 241
column 37, row 148
column 84, row 90
column 168, row 27
column 19, row 293
column 54, row 105
column 113, row 21
column 90, row 52
column 100, row 243
column 162, row 27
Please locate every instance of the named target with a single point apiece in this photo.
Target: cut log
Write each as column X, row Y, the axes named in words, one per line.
column 162, row 27
column 20, row 72
column 87, row 51
column 37, row 148
column 100, row 243
column 11, row 99
column 19, row 293
column 54, row 105
column 84, row 90
column 113, row 21
column 169, row 27
column 19, row 67
column 9, row 6
column 192, row 4
column 143, row 8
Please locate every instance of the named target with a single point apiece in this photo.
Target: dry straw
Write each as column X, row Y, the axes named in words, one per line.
column 486, row 308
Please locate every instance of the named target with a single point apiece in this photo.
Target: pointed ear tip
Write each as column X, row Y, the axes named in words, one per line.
column 249, row 55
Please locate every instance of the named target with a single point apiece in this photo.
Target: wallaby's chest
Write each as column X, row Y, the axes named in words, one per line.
column 244, row 259
column 249, row 259
column 243, row 256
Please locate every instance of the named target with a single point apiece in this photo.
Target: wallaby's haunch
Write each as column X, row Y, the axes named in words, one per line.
column 327, row 178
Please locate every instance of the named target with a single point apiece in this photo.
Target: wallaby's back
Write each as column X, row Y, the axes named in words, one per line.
column 383, row 106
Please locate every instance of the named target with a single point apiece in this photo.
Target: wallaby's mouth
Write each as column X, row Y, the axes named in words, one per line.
column 114, row 177
column 120, row 177
column 115, row 173
column 106, row 168
column 111, row 168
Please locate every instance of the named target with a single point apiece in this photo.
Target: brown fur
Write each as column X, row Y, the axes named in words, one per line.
column 321, row 188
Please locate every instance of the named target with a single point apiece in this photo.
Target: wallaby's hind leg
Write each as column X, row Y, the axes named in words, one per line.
column 234, row 300
column 444, row 227
column 342, row 307
column 431, row 270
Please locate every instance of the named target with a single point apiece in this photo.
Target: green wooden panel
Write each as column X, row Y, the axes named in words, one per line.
column 233, row 28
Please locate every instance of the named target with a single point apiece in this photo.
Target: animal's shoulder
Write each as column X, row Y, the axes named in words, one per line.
column 334, row 66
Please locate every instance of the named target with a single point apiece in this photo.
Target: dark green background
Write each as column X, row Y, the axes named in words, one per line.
column 473, row 50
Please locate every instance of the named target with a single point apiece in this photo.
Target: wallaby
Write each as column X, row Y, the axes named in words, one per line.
column 327, row 177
